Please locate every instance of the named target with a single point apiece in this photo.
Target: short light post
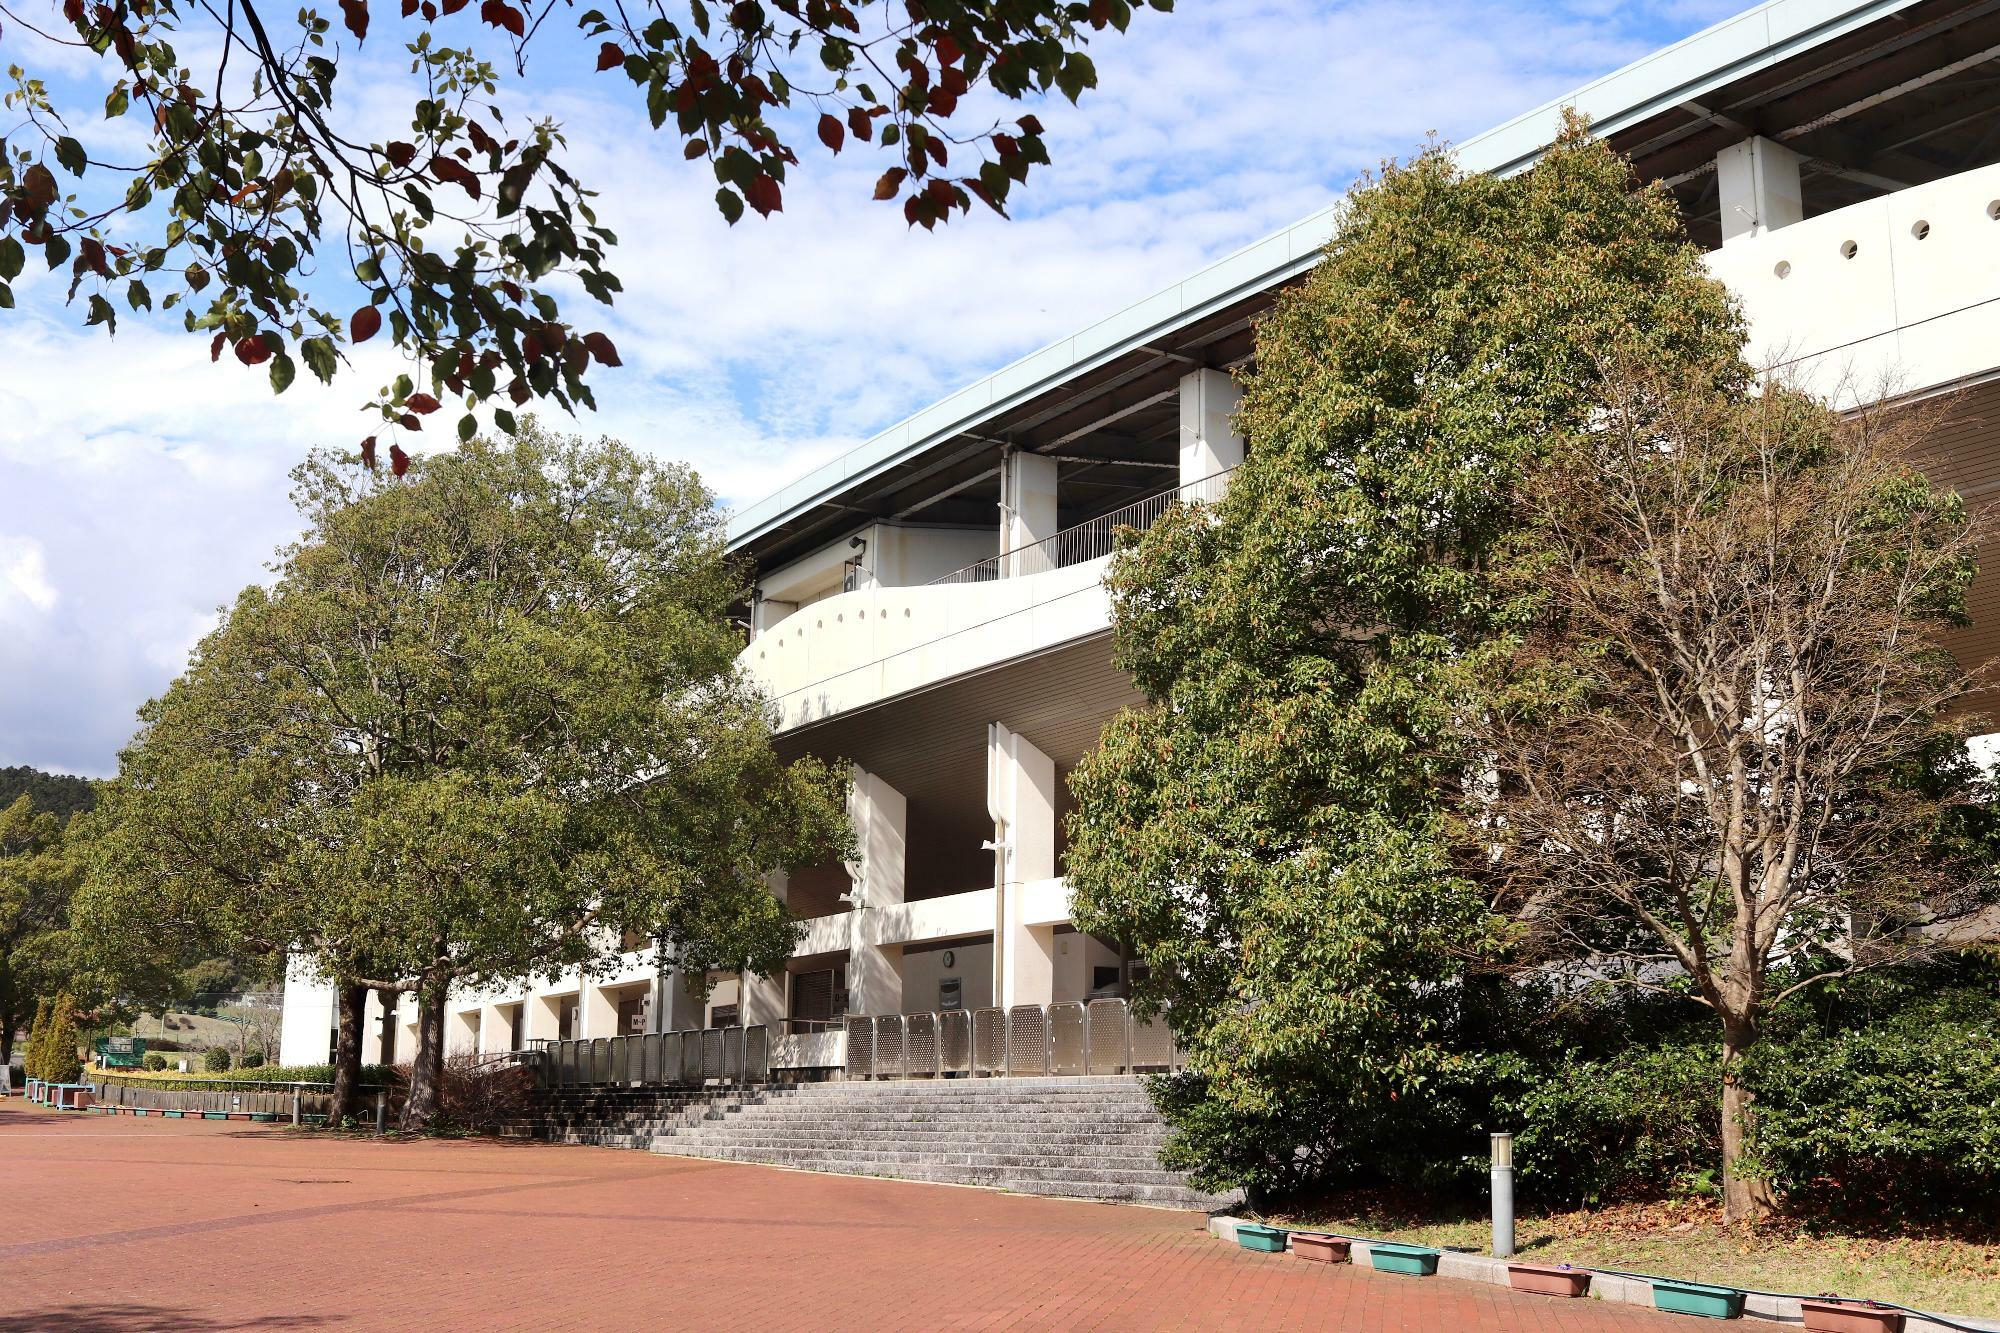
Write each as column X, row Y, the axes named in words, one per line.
column 381, row 1110
column 1503, row 1196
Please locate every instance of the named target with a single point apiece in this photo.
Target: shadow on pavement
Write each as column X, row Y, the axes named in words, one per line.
column 111, row 1317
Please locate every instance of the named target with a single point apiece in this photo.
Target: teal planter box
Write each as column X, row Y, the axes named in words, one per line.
column 215, row 1115
column 1414, row 1260
column 263, row 1117
column 1263, row 1239
column 173, row 1115
column 1697, row 1298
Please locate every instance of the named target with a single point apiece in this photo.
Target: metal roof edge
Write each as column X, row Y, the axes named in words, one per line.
column 1724, row 51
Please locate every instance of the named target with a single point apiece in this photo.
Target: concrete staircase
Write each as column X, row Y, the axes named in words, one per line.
column 1080, row 1138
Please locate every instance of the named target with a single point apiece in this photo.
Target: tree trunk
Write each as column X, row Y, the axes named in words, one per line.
column 353, row 1000
column 426, row 1099
column 1743, row 1199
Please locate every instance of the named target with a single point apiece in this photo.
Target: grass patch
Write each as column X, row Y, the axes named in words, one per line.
column 1945, row 1270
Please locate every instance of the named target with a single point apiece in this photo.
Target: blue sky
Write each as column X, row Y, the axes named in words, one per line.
column 141, row 487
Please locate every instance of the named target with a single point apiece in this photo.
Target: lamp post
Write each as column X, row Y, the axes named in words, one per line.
column 1503, row 1196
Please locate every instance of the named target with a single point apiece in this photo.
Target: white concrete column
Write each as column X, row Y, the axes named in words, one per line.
column 600, row 1011
column 496, row 1029
column 1021, row 798
column 1209, row 442
column 880, row 816
column 1757, row 182
column 462, row 1032
column 1028, row 511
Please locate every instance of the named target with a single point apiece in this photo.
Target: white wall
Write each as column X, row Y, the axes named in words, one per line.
column 972, row 964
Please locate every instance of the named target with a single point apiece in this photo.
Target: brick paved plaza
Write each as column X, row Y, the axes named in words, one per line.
column 114, row 1223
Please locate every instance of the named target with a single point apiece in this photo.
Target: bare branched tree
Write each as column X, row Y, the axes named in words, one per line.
column 1733, row 764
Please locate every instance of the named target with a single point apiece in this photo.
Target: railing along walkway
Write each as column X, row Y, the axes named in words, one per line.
column 689, row 1059
column 1101, row 1037
column 1089, row 540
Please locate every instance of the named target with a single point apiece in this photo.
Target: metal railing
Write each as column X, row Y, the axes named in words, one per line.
column 1101, row 1037
column 688, row 1059
column 1090, row 540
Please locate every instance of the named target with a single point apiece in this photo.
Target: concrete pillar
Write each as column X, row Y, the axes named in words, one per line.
column 462, row 1032
column 544, row 1018
column 1209, row 442
column 880, row 816
column 600, row 1012
column 496, row 1029
column 1021, row 798
column 1028, row 513
column 1757, row 182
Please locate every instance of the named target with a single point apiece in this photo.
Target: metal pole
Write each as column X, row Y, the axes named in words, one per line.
column 381, row 1110
column 1503, row 1196
column 295, row 1104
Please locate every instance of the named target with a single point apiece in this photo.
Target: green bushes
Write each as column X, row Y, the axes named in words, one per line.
column 216, row 1059
column 155, row 1061
column 1643, row 1122
column 51, row 1052
column 196, row 1080
column 253, row 1059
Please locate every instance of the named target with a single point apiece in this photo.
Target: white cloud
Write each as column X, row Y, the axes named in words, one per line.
column 24, row 577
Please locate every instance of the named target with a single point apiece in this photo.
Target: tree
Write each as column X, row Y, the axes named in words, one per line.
column 33, row 1059
column 486, row 719
column 1277, row 828
column 57, row 794
column 1744, row 771
column 252, row 194
column 58, row 1058
column 38, row 876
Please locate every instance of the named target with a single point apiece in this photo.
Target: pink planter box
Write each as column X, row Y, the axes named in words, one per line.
column 1319, row 1249
column 1829, row 1314
column 1548, row 1279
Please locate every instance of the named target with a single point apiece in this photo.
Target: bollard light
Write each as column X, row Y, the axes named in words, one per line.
column 1503, row 1196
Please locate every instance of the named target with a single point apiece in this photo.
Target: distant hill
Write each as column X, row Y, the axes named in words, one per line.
column 56, row 792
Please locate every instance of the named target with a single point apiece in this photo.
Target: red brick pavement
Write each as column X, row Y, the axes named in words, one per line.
column 116, row 1223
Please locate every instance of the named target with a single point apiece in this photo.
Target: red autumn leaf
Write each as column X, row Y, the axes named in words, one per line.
column 453, row 6
column 600, row 347
column 408, row 421
column 73, row 10
column 695, row 148
column 400, row 154
column 422, row 402
column 502, row 15
column 366, row 323
column 609, row 57
column 356, row 12
column 399, row 462
column 447, row 170
column 858, row 122
column 215, row 348
column 368, row 452
column 1029, row 125
column 531, row 346
column 253, row 351
column 830, row 133
column 517, row 390
column 764, row 194
column 891, row 182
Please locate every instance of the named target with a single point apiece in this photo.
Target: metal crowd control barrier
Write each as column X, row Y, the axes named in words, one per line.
column 656, row 1059
column 1068, row 1038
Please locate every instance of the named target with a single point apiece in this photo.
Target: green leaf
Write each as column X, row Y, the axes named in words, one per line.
column 57, row 250
column 730, row 203
column 504, row 419
column 468, row 425
column 70, row 154
column 137, row 296
column 6, row 297
column 12, row 258
column 117, row 104
column 320, row 358
column 101, row 313
column 282, row 372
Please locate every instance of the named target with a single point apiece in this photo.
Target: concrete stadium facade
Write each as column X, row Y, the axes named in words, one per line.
column 929, row 607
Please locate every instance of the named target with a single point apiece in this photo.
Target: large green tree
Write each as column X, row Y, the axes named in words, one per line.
column 290, row 215
column 484, row 720
column 1278, row 829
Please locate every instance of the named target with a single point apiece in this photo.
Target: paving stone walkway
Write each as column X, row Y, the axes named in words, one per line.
column 115, row 1223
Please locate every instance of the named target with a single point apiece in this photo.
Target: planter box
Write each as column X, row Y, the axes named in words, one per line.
column 1829, row 1314
column 1263, row 1239
column 263, row 1117
column 173, row 1115
column 215, row 1115
column 1697, row 1298
column 1320, row 1249
column 1414, row 1260
column 1549, row 1279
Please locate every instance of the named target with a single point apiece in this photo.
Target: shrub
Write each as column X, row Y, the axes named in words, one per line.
column 33, row 1058
column 155, row 1061
column 60, row 1063
column 215, row 1059
column 1639, row 1123
column 1898, row 1116
column 253, row 1060
column 478, row 1095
